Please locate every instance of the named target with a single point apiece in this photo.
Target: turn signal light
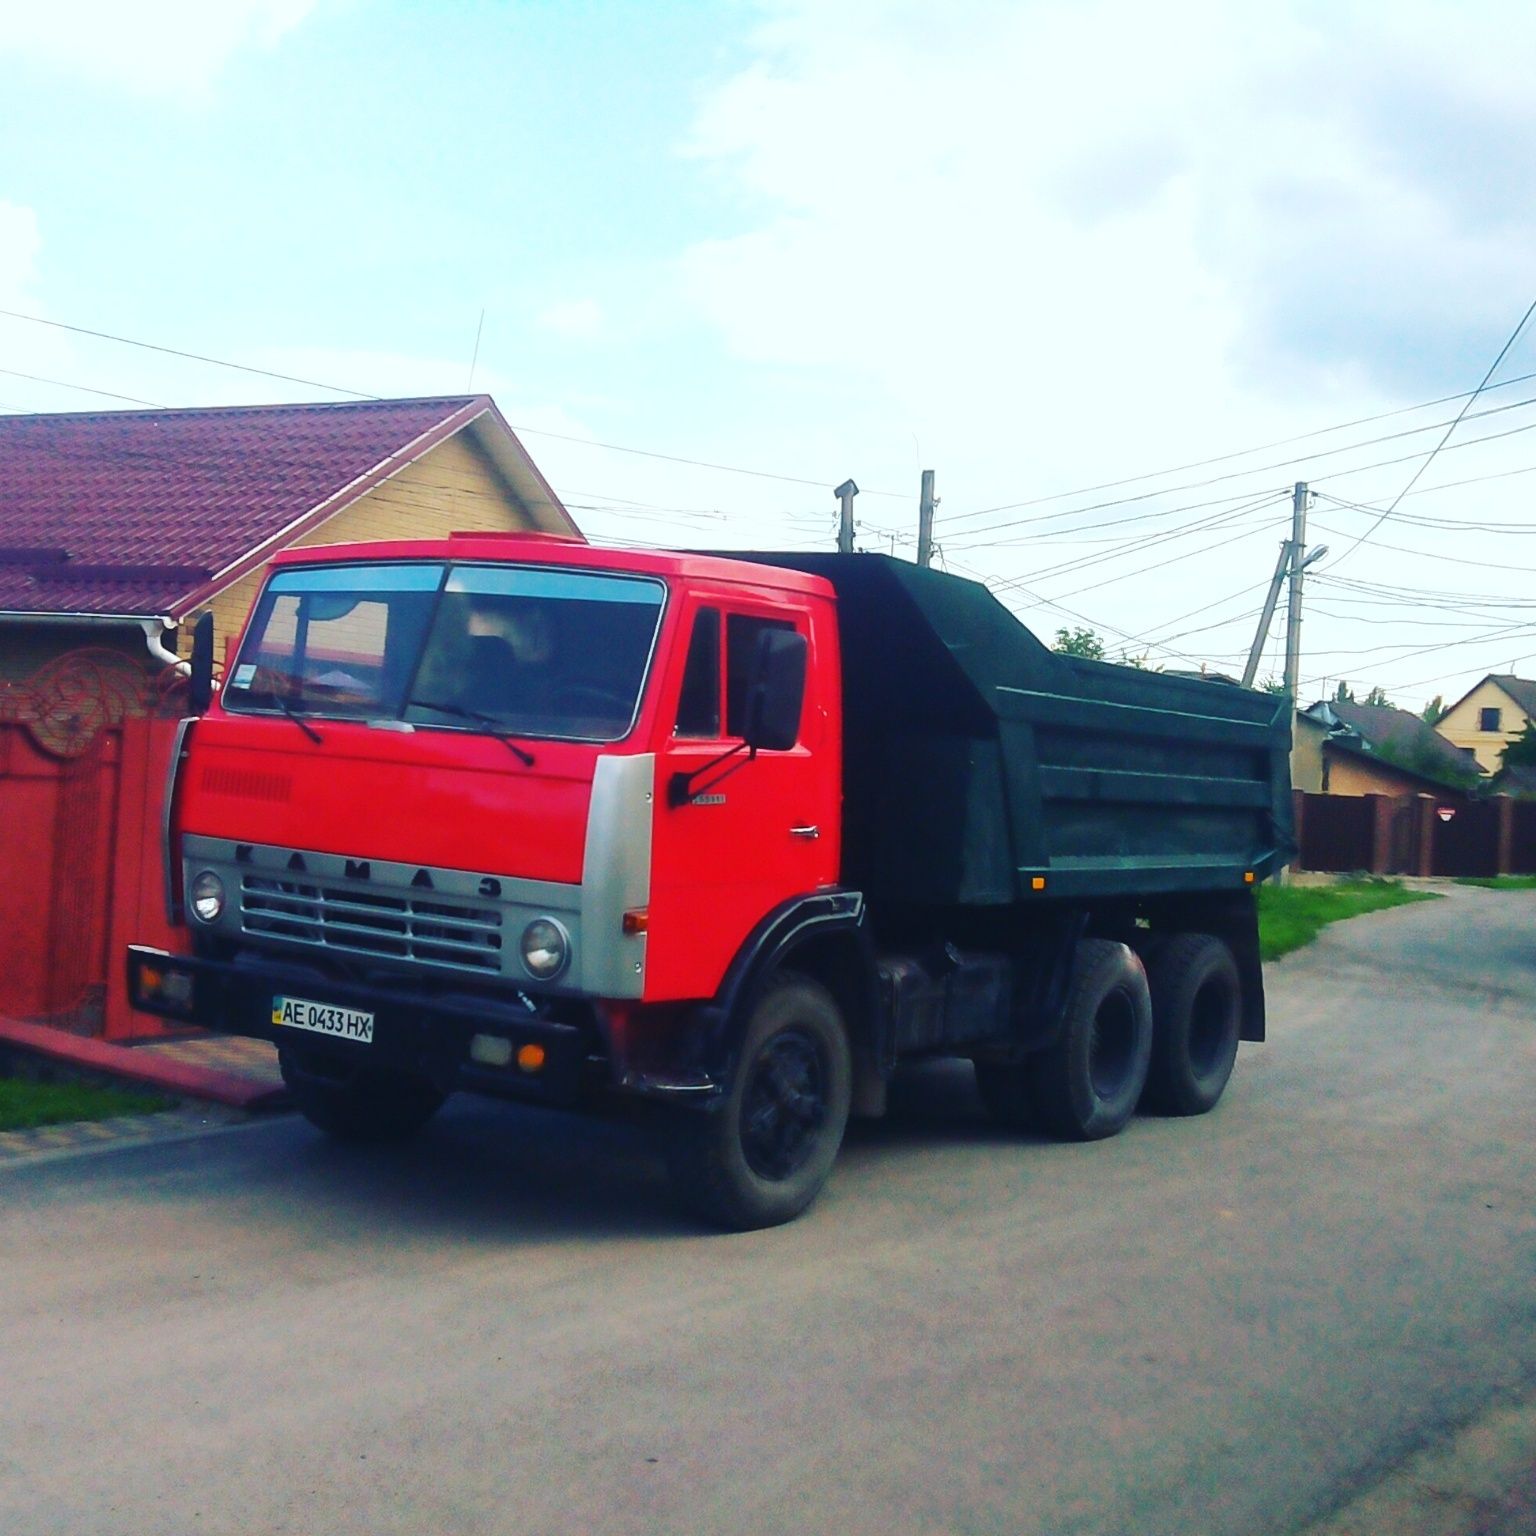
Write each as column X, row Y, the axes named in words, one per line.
column 530, row 1058
column 637, row 920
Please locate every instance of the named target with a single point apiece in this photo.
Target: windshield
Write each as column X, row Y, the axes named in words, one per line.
column 524, row 650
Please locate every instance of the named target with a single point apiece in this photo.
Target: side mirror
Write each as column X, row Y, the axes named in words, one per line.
column 776, row 694
column 200, row 682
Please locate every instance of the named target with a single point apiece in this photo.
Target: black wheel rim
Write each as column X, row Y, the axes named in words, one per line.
column 1112, row 1045
column 1209, row 1026
column 784, row 1105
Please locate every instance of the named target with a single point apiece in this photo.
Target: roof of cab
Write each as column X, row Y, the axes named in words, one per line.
column 555, row 549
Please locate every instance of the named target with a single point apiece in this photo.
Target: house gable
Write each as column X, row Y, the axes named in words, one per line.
column 1489, row 717
column 456, row 486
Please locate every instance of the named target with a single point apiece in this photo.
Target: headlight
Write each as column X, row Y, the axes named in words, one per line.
column 207, row 897
column 546, row 949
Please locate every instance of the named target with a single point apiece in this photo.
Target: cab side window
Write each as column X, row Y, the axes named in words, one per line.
column 698, row 707
column 742, row 632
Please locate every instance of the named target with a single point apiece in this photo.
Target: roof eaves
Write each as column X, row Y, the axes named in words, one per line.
column 29, row 616
column 527, row 469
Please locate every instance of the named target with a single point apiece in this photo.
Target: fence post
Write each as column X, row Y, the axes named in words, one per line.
column 1299, row 819
column 1505, row 861
column 1426, row 835
column 1381, row 832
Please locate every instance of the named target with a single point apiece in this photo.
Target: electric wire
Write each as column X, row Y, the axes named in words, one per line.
column 1414, row 478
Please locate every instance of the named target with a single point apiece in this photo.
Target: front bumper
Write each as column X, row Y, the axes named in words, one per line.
column 544, row 1059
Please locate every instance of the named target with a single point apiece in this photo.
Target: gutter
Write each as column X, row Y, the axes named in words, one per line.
column 155, row 628
column 156, row 645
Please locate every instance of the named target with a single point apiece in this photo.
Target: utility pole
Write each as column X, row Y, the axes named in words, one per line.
column 1262, row 633
column 926, row 504
column 845, row 494
column 1293, row 601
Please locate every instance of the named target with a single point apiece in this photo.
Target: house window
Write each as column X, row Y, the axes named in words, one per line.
column 1488, row 719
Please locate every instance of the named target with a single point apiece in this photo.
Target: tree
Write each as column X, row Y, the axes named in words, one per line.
column 1079, row 642
column 1434, row 712
column 1342, row 695
column 1521, row 752
column 1274, row 685
column 1378, row 699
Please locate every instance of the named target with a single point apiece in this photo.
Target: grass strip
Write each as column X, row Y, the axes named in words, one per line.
column 1502, row 882
column 25, row 1105
column 1291, row 916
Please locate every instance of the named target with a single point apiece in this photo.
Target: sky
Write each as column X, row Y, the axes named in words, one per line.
column 1120, row 275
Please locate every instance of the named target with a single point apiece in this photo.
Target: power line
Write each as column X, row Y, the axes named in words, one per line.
column 1414, row 478
column 196, row 357
column 338, row 389
column 1239, row 474
column 1179, row 469
column 37, row 378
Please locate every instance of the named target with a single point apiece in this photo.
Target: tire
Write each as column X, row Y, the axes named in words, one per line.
column 361, row 1105
column 1005, row 1093
column 760, row 1156
column 1086, row 1086
column 1197, row 1009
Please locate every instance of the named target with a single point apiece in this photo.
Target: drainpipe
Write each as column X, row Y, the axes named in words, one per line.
column 153, row 630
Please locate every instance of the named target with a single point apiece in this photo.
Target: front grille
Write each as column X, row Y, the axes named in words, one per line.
column 427, row 929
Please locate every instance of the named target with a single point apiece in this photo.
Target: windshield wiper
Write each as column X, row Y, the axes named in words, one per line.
column 287, row 709
column 491, row 724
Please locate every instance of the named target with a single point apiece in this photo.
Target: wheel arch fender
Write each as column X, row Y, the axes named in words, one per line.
column 824, row 937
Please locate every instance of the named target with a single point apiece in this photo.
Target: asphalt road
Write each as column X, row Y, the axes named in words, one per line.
column 1237, row 1324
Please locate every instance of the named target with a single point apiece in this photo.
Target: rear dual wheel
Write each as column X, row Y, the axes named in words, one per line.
column 1197, row 1003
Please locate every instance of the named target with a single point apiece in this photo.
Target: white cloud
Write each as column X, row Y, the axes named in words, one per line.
column 150, row 47
column 1067, row 242
column 578, row 319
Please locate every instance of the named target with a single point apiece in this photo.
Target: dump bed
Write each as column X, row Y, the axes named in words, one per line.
column 982, row 768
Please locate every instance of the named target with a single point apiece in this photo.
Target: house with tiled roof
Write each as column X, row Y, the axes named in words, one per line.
column 1486, row 718
column 117, row 528
column 1345, row 748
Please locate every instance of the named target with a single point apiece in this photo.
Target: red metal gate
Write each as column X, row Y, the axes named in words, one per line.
column 84, row 746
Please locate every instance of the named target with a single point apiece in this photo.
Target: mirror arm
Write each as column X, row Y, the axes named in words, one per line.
column 680, row 790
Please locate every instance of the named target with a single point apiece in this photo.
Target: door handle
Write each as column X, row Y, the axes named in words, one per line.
column 809, row 833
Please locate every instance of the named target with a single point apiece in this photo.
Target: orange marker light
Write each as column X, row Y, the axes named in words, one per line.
column 637, row 920
column 530, row 1058
column 1037, row 883
column 1248, row 878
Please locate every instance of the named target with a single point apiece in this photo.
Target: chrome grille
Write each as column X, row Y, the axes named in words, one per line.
column 423, row 927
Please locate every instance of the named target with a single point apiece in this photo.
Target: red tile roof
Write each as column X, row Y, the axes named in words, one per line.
column 131, row 512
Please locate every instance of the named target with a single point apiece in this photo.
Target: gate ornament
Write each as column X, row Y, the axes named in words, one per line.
column 69, row 701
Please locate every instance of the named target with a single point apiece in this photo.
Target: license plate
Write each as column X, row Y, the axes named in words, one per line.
column 323, row 1019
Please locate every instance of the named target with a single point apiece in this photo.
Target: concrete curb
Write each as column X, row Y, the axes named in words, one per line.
column 146, row 1068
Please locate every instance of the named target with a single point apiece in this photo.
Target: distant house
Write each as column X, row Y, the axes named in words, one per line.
column 1485, row 720
column 1344, row 748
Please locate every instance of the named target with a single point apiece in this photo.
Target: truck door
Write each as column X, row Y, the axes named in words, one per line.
column 752, row 831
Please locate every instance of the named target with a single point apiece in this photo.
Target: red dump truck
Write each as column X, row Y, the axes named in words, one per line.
column 521, row 816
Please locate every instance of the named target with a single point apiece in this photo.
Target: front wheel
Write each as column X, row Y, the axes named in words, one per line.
column 359, row 1104
column 760, row 1156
